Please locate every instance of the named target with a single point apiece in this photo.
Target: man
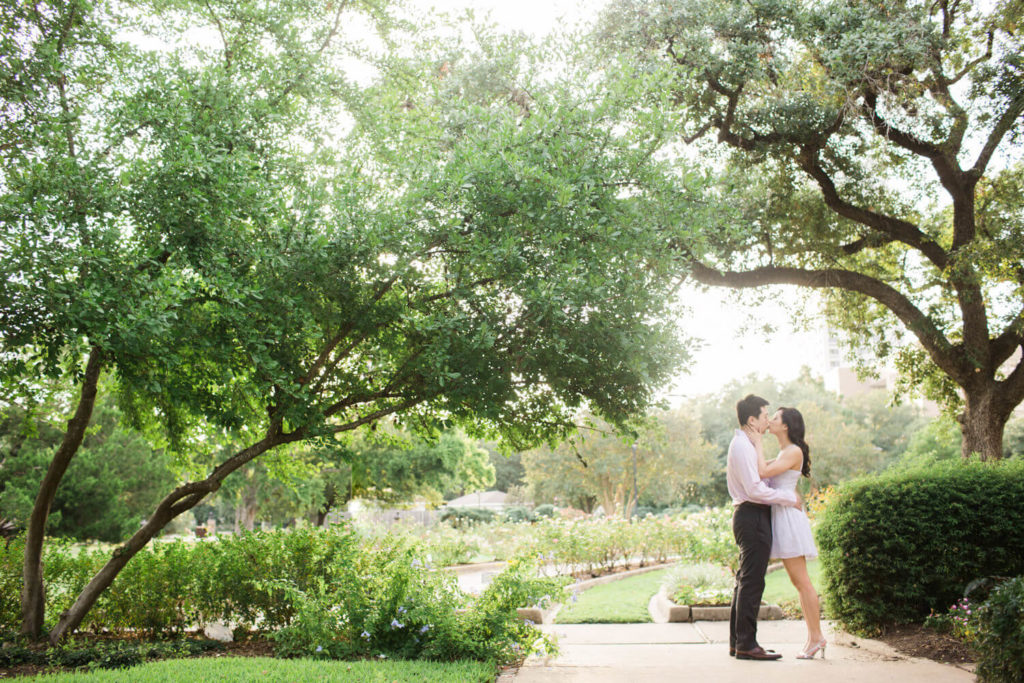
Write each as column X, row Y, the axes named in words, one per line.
column 752, row 499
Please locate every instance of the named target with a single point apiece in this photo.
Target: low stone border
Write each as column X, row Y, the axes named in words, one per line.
column 663, row 610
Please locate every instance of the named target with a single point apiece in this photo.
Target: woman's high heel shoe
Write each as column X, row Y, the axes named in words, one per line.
column 813, row 650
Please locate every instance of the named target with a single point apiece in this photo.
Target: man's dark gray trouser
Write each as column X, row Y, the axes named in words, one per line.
column 752, row 529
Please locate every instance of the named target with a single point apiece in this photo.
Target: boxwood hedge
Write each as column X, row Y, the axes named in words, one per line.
column 896, row 546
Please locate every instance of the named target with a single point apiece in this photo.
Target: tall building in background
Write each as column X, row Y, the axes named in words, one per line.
column 841, row 377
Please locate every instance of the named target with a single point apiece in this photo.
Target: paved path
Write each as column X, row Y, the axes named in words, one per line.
column 631, row 653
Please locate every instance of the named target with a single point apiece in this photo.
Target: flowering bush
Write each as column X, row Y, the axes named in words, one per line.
column 961, row 620
column 387, row 605
column 999, row 640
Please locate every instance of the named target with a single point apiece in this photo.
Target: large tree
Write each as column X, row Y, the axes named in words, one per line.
column 868, row 148
column 252, row 247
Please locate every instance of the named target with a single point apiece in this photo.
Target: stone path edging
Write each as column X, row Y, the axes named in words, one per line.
column 663, row 610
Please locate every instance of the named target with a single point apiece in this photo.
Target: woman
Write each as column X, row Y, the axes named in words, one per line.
column 792, row 540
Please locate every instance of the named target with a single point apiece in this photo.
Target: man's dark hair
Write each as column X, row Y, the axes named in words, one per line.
column 749, row 407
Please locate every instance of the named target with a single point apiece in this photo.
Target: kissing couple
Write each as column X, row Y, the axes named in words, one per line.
column 769, row 522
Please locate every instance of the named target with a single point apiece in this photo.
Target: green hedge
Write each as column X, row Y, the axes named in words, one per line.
column 896, row 546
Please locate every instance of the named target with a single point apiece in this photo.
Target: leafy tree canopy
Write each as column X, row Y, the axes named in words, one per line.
column 867, row 148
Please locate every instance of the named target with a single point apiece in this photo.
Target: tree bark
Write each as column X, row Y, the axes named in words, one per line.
column 982, row 423
column 33, row 602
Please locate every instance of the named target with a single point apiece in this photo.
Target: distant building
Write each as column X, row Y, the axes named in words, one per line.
column 489, row 500
column 841, row 377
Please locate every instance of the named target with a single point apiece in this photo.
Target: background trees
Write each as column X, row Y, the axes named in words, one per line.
column 867, row 148
column 597, row 467
column 113, row 483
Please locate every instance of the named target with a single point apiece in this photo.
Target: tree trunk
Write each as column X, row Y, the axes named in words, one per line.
column 982, row 423
column 184, row 498
column 33, row 600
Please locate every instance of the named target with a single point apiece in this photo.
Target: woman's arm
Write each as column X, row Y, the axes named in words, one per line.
column 787, row 460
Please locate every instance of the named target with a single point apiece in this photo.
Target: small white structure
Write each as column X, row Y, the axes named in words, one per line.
column 489, row 500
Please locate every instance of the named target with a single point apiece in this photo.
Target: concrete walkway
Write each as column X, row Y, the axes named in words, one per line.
column 631, row 653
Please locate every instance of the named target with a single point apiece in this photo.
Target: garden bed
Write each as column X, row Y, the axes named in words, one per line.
column 920, row 641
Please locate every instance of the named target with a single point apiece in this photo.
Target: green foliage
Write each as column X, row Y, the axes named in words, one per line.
column 113, row 654
column 700, row 584
column 330, row 589
column 254, row 668
column 899, row 545
column 462, row 517
column 544, row 510
column 404, row 612
column 1000, row 637
column 520, row 514
column 114, row 482
column 845, row 137
column 400, row 467
column 598, row 463
column 938, row 441
column 961, row 620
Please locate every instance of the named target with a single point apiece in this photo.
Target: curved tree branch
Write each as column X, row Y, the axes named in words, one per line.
column 995, row 137
column 893, row 228
column 942, row 352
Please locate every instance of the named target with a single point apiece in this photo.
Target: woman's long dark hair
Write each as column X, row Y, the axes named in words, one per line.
column 794, row 422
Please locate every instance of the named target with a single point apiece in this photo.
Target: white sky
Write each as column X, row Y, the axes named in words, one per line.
column 732, row 350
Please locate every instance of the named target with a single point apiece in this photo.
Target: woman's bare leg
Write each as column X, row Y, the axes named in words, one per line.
column 796, row 567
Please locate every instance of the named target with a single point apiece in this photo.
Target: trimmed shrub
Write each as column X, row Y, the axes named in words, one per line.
column 1000, row 637
column 519, row 514
column 545, row 510
column 463, row 517
column 897, row 546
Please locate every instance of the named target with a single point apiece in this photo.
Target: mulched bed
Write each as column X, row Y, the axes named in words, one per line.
column 918, row 641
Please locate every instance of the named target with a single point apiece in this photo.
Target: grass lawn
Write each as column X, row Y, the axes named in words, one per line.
column 618, row 602
column 267, row 669
column 778, row 589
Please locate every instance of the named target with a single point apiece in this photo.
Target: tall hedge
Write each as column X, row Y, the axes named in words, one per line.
column 896, row 546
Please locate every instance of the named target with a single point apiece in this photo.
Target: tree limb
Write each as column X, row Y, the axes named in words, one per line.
column 935, row 343
column 1011, row 338
column 995, row 137
column 893, row 228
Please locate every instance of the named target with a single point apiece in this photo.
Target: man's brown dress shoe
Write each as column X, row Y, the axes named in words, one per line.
column 757, row 653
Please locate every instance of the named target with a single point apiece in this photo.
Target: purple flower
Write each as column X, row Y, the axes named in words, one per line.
column 366, row 634
column 425, row 628
column 401, row 610
column 395, row 623
column 319, row 648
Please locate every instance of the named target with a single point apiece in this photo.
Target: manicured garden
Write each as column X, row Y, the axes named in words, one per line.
column 895, row 549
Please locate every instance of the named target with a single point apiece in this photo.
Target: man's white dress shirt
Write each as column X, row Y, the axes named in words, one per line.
column 745, row 485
